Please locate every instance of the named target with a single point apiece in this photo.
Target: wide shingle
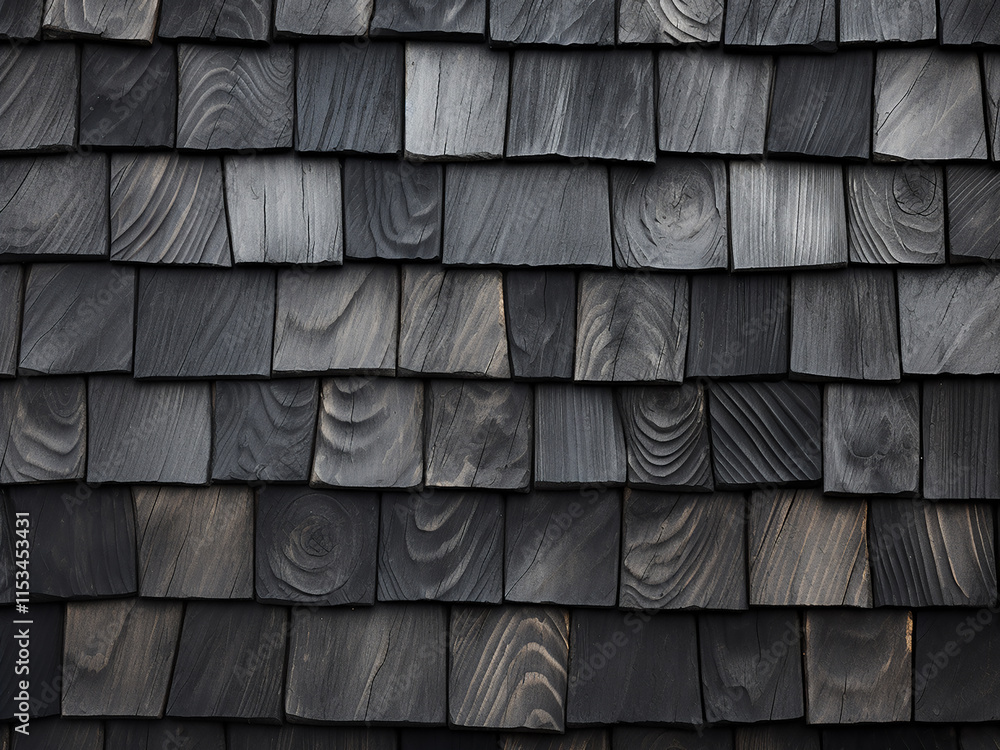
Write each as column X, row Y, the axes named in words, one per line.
column 118, row 20
column 38, row 97
column 236, row 20
column 565, row 22
column 874, row 21
column 672, row 22
column 782, row 23
column 324, row 18
column 416, row 18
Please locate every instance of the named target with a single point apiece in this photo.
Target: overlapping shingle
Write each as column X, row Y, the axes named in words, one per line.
column 119, row 20
column 969, row 22
column 874, row 21
column 671, row 22
column 782, row 23
column 415, row 18
column 38, row 97
column 43, row 429
column 973, row 205
column 324, row 18
column 237, row 20
column 566, row 22
column 21, row 20
column 541, row 322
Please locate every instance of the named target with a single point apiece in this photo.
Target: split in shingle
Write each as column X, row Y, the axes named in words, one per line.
column 117, row 657
column 38, row 96
column 566, row 22
column 751, row 666
column 238, row 20
column 21, row 20
column 782, row 23
column 973, row 212
column 969, row 22
column 43, row 436
column 508, row 667
column 807, row 551
column 370, row 433
column 168, row 208
column 683, row 551
column 456, row 101
column 117, row 20
column 442, row 546
column 230, row 662
column 871, row 439
column 541, row 313
column 822, row 105
column 263, row 431
column 11, row 293
column 579, row 438
column 562, row 547
column 392, row 209
column 45, row 670
column 54, row 206
column 316, row 546
column 152, row 735
column 148, row 432
column 671, row 22
column 928, row 105
column 204, row 323
column 902, row 736
column 284, row 209
column 591, row 105
column 895, row 214
column 377, row 665
column 128, row 96
column 324, row 18
column 299, row 737
column 713, row 103
column 349, row 97
column 765, row 433
column 337, row 320
column 784, row 736
column 875, row 21
column 671, row 216
column 416, row 18
column 932, row 554
column 527, row 215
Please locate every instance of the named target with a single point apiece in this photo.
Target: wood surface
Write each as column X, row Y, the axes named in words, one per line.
column 671, row 22
column 21, row 20
column 151, row 735
column 316, row 546
column 117, row 20
column 563, row 547
column 242, row 20
column 117, row 657
column 874, row 21
column 377, row 665
column 973, row 202
column 6, row 550
column 991, row 95
column 337, row 320
column 349, row 97
column 38, row 97
column 871, row 439
column 452, row 323
column 327, row 18
column 81, row 735
column 299, row 737
column 527, row 215
column 969, row 22
column 541, row 322
column 44, row 429
column 683, row 551
column 912, row 736
column 370, row 433
column 168, row 208
column 982, row 737
column 648, row 738
column 11, row 304
column 446, row 739
column 508, row 667
column 195, row 543
column 807, row 551
column 45, row 669
column 414, row 18
column 441, row 546
column 279, row 209
column 782, row 23
column 566, row 23
column 781, row 736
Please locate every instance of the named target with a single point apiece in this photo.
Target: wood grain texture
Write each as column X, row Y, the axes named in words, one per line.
column 787, row 214
column 973, row 202
column 739, row 325
column 844, row 325
column 378, row 665
column 671, row 22
column 11, row 303
column 967, row 22
column 456, row 101
column 781, row 736
column 573, row 739
column 648, row 738
column 279, row 209
column 54, row 206
column 582, row 105
column 392, row 209
column 807, row 551
column 564, row 23
column 683, row 551
column 441, row 546
column 315, row 546
column 238, row 20
column 782, row 23
column 478, row 435
column 928, row 105
column 53, row 732
column 579, row 438
column 713, row 103
column 673, row 216
column 263, row 431
column 858, row 666
column 128, row 95
column 195, row 543
column 230, row 662
column 873, row 21
column 117, row 657
column 337, row 320
column 508, row 667
column 43, row 436
column 927, row 554
column 45, row 671
column 168, row 208
column 961, row 439
column 765, row 433
column 202, row 322
column 417, row 18
column 631, row 327
column 118, row 20
column 616, row 659
column 83, row 543
column 38, row 97
column 822, row 105
column 446, row 739
column 21, row 20
column 298, row 737
column 991, row 95
column 871, row 439
column 150, row 735
column 147, row 432
column 666, row 436
column 326, row 18
column 527, row 215
column 452, row 323
column 751, row 666
column 78, row 318
column 370, row 433
column 349, row 98
column 911, row 737
column 562, row 547
column 541, row 327
column 895, row 214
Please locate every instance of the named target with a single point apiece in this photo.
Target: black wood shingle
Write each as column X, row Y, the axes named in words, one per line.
column 238, row 20
column 38, row 97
